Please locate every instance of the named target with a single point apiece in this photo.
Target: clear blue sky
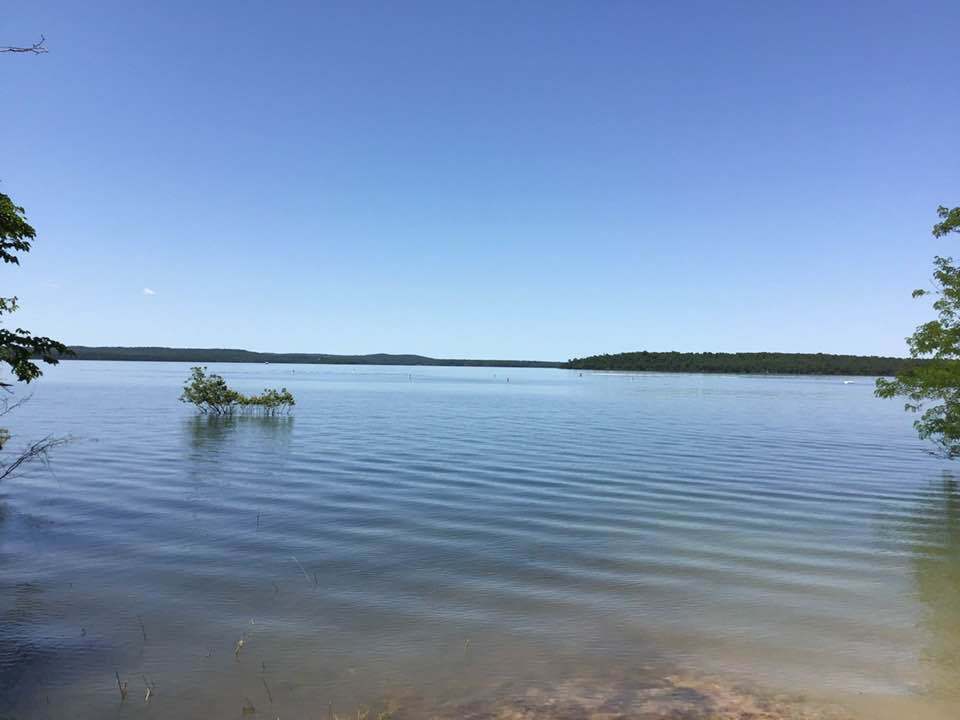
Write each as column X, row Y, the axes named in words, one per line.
column 486, row 179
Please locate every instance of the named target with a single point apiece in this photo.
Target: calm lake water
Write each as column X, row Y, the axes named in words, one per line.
column 444, row 533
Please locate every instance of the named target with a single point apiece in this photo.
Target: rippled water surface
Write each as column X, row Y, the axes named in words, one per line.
column 438, row 532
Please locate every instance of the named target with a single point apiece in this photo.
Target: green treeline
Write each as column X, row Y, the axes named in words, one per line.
column 210, row 355
column 761, row 363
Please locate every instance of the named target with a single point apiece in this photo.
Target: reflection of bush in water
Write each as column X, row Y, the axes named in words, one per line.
column 215, row 429
column 933, row 530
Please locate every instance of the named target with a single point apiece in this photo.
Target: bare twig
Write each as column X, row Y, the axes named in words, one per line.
column 36, row 451
column 122, row 686
column 150, row 689
column 38, row 48
column 294, row 559
column 143, row 629
column 7, row 407
column 267, row 688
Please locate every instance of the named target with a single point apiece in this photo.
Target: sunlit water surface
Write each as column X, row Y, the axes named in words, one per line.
column 441, row 531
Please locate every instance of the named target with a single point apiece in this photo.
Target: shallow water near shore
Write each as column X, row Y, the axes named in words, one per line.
column 477, row 542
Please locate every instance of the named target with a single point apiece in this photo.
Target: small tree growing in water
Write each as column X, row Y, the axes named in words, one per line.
column 212, row 396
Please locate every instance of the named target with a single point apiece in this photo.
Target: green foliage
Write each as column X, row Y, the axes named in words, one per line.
column 933, row 388
column 741, row 363
column 15, row 232
column 18, row 347
column 211, row 394
column 270, row 401
column 950, row 221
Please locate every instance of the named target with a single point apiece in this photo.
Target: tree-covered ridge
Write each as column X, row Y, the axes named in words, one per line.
column 209, row 355
column 774, row 363
column 759, row 362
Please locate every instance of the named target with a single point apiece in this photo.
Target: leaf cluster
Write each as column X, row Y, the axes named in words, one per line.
column 19, row 347
column 16, row 233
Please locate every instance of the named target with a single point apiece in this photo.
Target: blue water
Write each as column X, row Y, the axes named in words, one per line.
column 447, row 529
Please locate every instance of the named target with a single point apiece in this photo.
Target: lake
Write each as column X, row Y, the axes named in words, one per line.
column 471, row 542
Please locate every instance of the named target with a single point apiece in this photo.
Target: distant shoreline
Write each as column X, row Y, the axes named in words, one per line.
column 676, row 362
column 229, row 355
column 753, row 363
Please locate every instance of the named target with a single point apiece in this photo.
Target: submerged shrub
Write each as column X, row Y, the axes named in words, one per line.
column 270, row 402
column 211, row 394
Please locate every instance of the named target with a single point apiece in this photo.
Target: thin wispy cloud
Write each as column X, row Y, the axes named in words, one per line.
column 148, row 291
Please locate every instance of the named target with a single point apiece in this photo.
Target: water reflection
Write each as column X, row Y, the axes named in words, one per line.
column 359, row 546
column 211, row 431
column 933, row 530
column 227, row 449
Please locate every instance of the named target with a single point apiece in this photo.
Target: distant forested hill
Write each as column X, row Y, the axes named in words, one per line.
column 774, row 363
column 763, row 362
column 202, row 355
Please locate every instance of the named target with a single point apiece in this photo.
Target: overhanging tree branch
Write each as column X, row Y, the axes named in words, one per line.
column 38, row 48
column 933, row 389
column 36, row 451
